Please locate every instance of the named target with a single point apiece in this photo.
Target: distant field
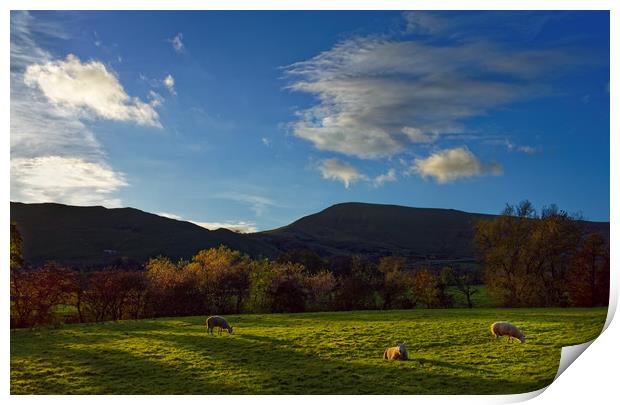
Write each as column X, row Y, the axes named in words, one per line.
column 451, row 352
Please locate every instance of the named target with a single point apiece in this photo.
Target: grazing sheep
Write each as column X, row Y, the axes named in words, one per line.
column 507, row 329
column 218, row 321
column 398, row 352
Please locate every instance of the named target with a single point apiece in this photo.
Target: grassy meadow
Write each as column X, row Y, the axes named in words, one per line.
column 451, row 352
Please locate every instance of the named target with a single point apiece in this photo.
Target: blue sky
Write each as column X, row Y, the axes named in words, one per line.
column 251, row 120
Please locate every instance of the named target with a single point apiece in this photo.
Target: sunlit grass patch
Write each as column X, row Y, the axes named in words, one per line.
column 451, row 352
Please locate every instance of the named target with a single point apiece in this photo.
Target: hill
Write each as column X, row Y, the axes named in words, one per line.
column 96, row 234
column 93, row 235
column 379, row 230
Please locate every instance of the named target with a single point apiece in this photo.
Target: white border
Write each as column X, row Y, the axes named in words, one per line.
column 593, row 376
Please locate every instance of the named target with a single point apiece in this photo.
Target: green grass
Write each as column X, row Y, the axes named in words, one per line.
column 451, row 352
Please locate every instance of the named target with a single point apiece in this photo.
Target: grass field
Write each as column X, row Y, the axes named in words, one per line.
column 451, row 352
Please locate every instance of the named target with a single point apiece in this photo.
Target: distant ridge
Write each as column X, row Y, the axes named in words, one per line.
column 96, row 234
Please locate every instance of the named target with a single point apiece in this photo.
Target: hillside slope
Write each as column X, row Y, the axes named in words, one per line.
column 377, row 230
column 72, row 234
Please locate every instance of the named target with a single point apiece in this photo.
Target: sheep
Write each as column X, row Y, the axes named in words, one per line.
column 218, row 321
column 507, row 329
column 398, row 352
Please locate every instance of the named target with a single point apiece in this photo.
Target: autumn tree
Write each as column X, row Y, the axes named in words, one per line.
column 37, row 293
column 425, row 288
column 172, row 291
column 396, row 288
column 589, row 273
column 17, row 260
column 222, row 276
column 287, row 291
column 526, row 257
column 321, row 291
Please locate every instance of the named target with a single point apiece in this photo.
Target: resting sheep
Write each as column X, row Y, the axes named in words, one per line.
column 218, row 321
column 398, row 352
column 507, row 329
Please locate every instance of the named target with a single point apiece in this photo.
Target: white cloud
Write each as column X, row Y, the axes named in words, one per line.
column 240, row 226
column 380, row 180
column 235, row 226
column 376, row 96
column 89, row 89
column 55, row 156
column 177, row 43
column 452, row 164
column 266, row 141
column 417, row 136
column 70, row 180
column 337, row 170
column 169, row 83
column 169, row 215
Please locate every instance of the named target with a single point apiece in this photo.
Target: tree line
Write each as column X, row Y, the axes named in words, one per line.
column 526, row 260
column 221, row 280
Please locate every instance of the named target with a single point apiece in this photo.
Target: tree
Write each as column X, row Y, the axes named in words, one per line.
column 321, row 289
column 464, row 280
column 396, row 289
column 589, row 274
column 501, row 243
column 37, row 293
column 287, row 291
column 357, row 288
column 17, row 260
column 222, row 277
column 172, row 290
column 425, row 288
column 526, row 258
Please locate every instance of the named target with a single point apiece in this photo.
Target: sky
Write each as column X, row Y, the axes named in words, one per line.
column 250, row 120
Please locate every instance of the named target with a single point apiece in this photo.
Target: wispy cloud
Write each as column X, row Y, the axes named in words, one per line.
column 337, row 170
column 388, row 177
column 476, row 25
column 513, row 147
column 452, row 164
column 377, row 96
column 177, row 43
column 266, row 141
column 257, row 203
column 235, row 226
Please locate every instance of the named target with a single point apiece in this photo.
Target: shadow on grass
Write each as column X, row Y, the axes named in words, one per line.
column 276, row 366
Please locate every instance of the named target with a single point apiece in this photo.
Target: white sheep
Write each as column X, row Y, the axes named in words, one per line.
column 220, row 322
column 507, row 329
column 398, row 352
